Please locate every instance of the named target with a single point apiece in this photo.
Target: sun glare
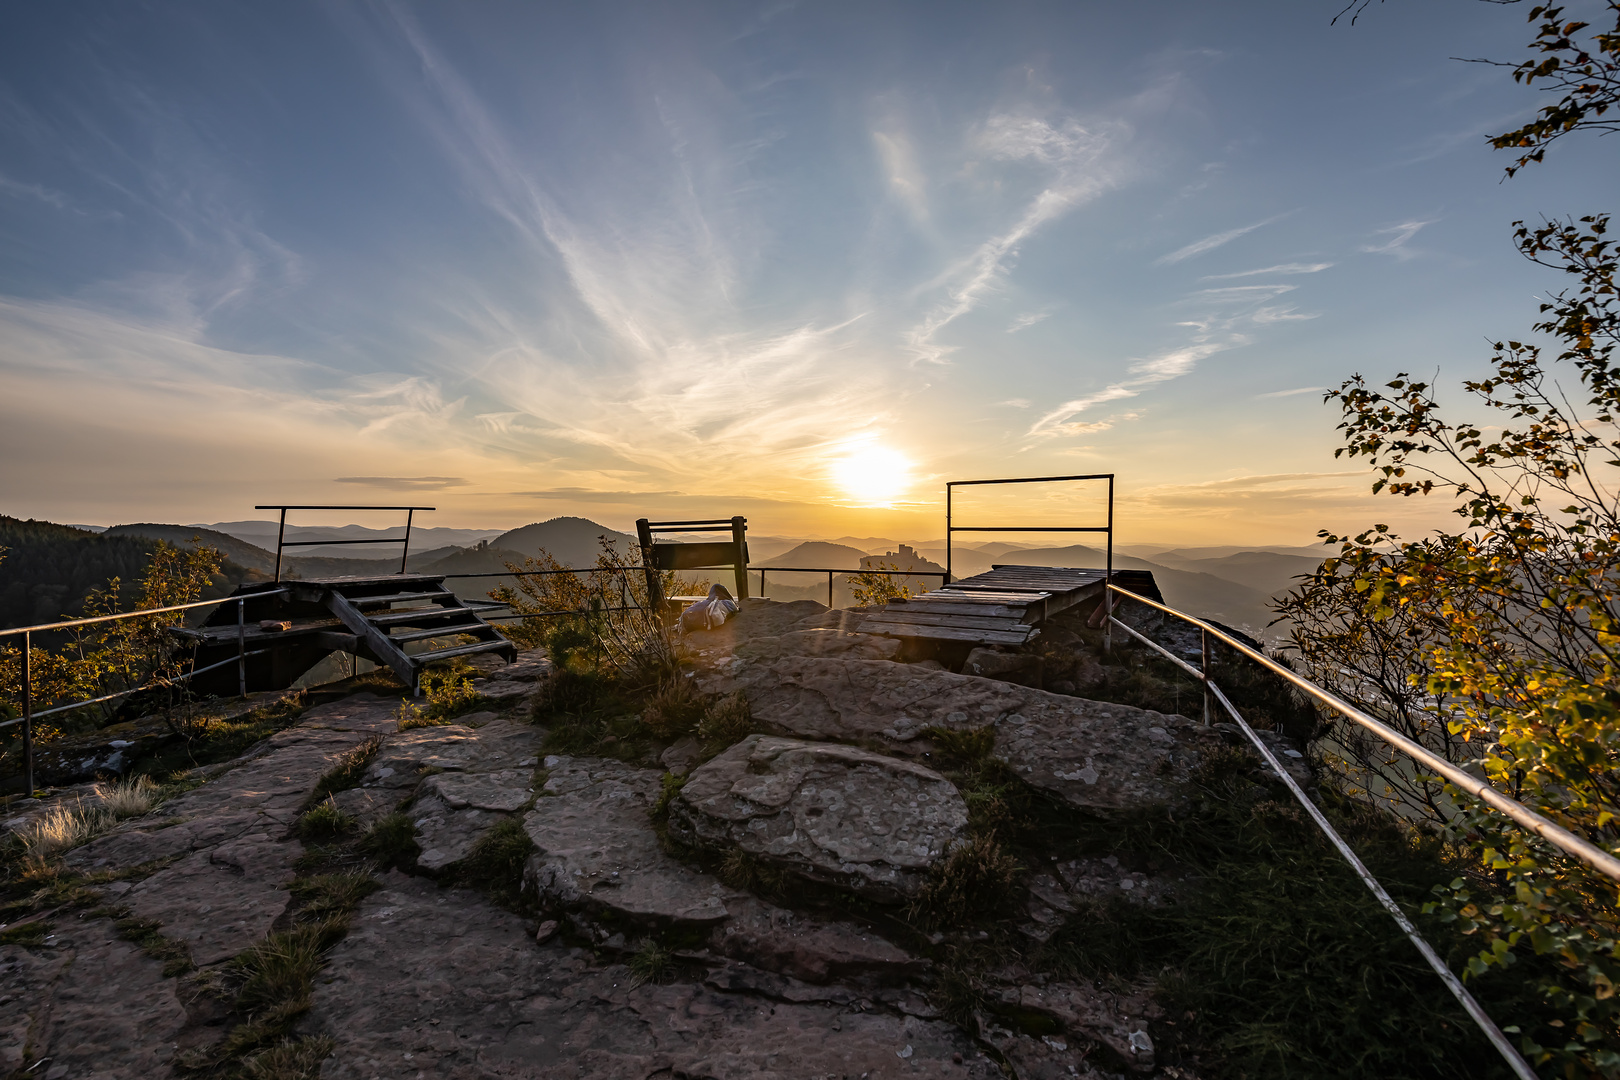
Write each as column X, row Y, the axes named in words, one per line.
column 874, row 475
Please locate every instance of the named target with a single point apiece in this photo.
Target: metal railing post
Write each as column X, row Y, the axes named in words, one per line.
column 829, row 589
column 1108, row 583
column 241, row 647
column 405, row 548
column 28, row 712
column 1203, row 648
column 281, row 535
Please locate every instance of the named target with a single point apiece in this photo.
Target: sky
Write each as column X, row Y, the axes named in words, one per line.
column 802, row 262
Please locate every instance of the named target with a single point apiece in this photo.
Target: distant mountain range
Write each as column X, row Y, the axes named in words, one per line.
column 51, row 567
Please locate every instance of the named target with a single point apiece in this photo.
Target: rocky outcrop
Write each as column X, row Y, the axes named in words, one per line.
column 597, row 851
column 1093, row 755
column 833, row 814
column 87, row 1004
column 419, row 988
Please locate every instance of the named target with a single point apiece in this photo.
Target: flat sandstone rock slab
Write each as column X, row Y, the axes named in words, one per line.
column 1093, row 755
column 830, row 813
column 440, row 983
column 93, row 1004
column 597, row 849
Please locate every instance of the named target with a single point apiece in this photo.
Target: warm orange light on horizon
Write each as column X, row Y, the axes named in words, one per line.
column 873, row 475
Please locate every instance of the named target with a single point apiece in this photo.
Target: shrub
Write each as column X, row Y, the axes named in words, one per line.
column 674, row 708
column 726, row 721
column 449, row 693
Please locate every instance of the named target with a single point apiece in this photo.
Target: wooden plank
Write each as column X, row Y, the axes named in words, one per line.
column 946, row 633
column 945, row 607
column 443, row 631
column 364, row 602
column 965, row 621
column 464, row 650
column 374, row 637
column 418, row 616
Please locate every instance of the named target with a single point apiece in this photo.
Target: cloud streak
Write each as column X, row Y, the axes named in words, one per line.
column 1210, row 243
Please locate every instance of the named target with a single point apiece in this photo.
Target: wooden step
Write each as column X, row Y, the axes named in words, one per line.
column 363, row 602
column 419, row 659
column 420, row 616
column 442, row 631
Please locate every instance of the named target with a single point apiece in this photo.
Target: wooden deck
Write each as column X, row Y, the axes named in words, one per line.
column 1001, row 607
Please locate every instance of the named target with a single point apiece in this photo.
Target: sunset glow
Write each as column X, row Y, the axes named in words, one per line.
column 873, row 475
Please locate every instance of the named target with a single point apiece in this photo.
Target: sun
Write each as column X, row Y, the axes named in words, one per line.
column 874, row 475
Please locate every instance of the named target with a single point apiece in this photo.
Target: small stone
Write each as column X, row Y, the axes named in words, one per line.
column 904, row 1054
column 547, row 931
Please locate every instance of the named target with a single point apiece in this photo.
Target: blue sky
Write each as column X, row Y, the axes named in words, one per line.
column 799, row 261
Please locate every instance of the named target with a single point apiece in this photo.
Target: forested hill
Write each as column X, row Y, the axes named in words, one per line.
column 47, row 570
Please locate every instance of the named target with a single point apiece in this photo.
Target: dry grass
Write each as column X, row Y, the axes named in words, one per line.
column 726, row 721
column 63, row 827
column 675, row 708
column 974, row 881
column 129, row 798
column 297, row 1060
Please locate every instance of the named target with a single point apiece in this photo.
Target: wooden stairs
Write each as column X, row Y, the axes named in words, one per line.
column 402, row 621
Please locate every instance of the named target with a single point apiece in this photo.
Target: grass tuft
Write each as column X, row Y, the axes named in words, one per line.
column 328, row 895
column 350, row 767
column 725, row 722
column 652, row 962
column 672, row 785
column 392, row 840
column 495, row 864
column 129, row 798
column 31, row 933
column 973, row 881
column 144, row 933
column 674, row 708
column 323, row 821
column 299, row 1059
column 63, row 827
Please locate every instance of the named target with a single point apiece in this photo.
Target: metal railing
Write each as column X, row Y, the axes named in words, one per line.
column 943, row 575
column 1515, row 811
column 283, row 542
column 762, row 571
column 29, row 715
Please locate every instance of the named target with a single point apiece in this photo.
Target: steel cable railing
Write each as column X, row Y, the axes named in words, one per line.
column 1522, row 815
column 29, row 715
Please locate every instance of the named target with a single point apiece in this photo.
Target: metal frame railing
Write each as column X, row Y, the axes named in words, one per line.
column 1515, row 811
column 29, row 715
column 281, row 531
column 762, row 570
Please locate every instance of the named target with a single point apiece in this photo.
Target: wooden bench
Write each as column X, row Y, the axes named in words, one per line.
column 659, row 558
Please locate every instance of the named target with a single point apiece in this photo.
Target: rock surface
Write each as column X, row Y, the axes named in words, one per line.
column 417, row 988
column 92, row 1004
column 598, row 852
column 826, row 812
column 1093, row 755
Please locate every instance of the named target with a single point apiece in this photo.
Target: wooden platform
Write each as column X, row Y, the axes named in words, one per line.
column 1001, row 607
column 373, row 617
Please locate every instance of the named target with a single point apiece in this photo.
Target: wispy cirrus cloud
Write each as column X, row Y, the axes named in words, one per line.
column 1210, row 243
column 1078, row 164
column 1291, row 393
column 1280, row 268
column 1399, row 236
column 405, row 483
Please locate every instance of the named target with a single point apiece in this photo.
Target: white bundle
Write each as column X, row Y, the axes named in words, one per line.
column 711, row 612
